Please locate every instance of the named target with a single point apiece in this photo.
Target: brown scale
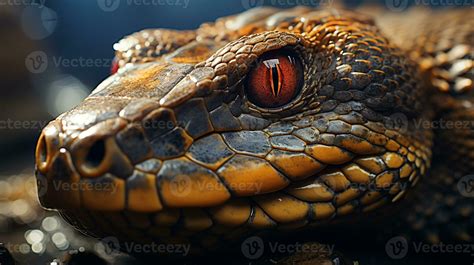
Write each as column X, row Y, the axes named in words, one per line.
column 443, row 49
column 445, row 54
column 148, row 45
column 347, row 60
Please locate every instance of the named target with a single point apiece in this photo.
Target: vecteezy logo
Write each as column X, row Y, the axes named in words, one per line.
column 181, row 186
column 253, row 247
column 111, row 245
column 248, row 4
column 466, row 186
column 36, row 62
column 108, row 5
column 396, row 5
column 397, row 122
column 397, row 247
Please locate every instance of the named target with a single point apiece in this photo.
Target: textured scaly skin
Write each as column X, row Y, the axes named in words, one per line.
column 445, row 55
column 191, row 160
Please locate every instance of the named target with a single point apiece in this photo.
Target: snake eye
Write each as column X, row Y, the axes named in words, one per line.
column 275, row 80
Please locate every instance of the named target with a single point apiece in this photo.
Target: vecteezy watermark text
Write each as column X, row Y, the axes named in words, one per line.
column 39, row 3
column 398, row 248
column 248, row 4
column 13, row 124
column 109, row 187
column 37, row 62
column 112, row 5
column 401, row 5
column 10, row 124
column 44, row 185
column 254, row 247
column 402, row 123
column 445, row 124
column 113, row 245
column 183, row 185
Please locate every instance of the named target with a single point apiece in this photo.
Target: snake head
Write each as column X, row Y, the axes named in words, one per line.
column 268, row 119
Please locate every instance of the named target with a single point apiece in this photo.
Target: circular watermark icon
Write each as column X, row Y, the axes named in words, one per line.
column 397, row 247
column 249, row 4
column 108, row 5
column 253, row 247
column 181, row 186
column 397, row 122
column 38, row 22
column 42, row 185
column 466, row 186
column 36, row 62
column 111, row 245
column 396, row 5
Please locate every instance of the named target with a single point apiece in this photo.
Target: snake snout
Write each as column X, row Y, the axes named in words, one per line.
column 94, row 152
column 87, row 163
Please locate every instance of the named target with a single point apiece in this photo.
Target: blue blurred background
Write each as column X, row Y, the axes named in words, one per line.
column 85, row 29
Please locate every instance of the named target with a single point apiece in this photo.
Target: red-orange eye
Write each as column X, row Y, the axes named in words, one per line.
column 275, row 80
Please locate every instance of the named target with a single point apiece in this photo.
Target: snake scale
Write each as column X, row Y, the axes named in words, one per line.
column 270, row 121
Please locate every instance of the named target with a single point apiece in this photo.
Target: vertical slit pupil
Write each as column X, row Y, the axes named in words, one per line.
column 275, row 80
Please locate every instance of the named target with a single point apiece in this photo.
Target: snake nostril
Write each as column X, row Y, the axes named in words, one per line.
column 96, row 154
column 47, row 147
